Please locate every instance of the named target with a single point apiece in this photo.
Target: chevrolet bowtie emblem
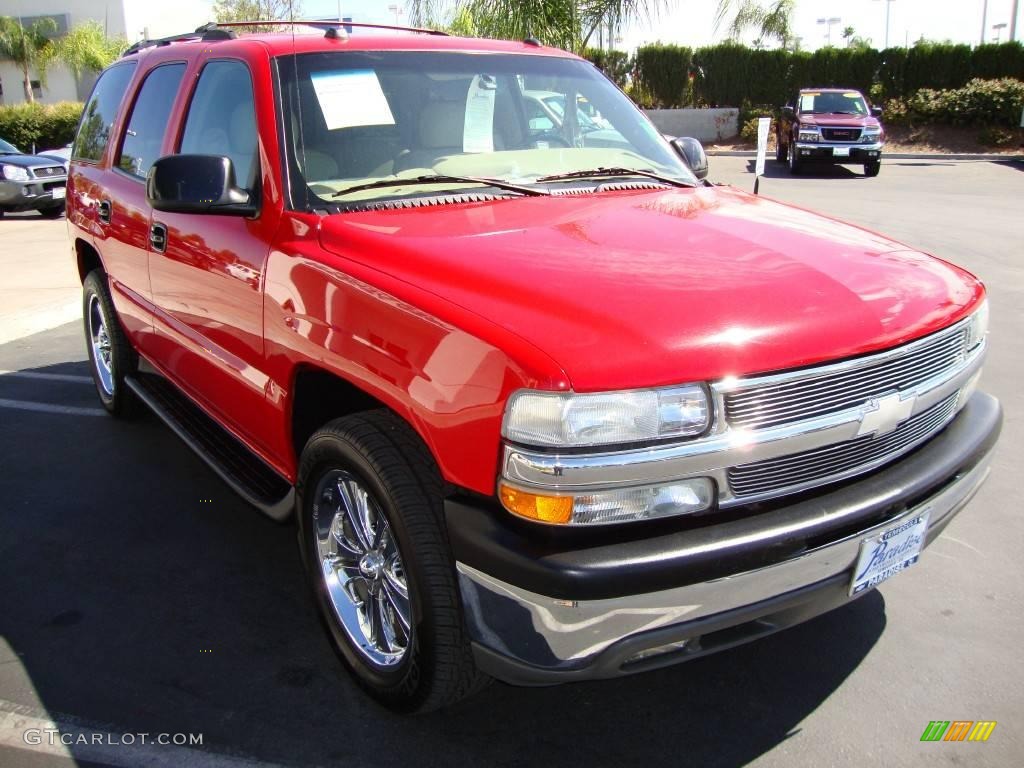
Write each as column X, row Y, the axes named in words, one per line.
column 882, row 415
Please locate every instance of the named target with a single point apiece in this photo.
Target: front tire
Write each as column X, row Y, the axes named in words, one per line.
column 781, row 150
column 373, row 539
column 872, row 169
column 794, row 162
column 52, row 213
column 111, row 356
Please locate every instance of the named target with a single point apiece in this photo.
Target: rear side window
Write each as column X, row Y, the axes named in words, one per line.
column 99, row 113
column 222, row 119
column 148, row 122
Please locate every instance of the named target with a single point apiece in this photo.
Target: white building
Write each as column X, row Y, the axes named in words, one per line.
column 132, row 19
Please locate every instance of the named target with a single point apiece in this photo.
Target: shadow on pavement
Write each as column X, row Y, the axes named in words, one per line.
column 776, row 170
column 139, row 592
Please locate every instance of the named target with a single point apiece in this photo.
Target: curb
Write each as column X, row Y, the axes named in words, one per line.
column 890, row 155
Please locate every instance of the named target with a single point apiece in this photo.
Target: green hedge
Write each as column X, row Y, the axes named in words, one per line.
column 46, row 126
column 980, row 103
column 730, row 75
column 618, row 65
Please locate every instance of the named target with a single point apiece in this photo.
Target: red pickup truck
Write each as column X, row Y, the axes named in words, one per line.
column 830, row 125
column 542, row 411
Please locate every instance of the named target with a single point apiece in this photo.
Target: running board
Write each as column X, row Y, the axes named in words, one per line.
column 247, row 474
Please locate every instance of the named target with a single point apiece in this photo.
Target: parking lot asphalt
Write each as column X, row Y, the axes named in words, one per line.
column 137, row 594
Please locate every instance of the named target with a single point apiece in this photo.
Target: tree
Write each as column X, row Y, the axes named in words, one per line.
column 27, row 47
column 773, row 21
column 563, row 23
column 86, row 48
column 256, row 10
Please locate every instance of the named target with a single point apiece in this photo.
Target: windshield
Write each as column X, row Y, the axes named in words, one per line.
column 8, row 149
column 815, row 103
column 354, row 118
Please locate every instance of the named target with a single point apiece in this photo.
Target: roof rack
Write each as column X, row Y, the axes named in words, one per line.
column 215, row 30
column 209, row 31
column 329, row 24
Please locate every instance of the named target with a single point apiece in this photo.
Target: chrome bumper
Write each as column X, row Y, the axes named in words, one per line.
column 876, row 147
column 529, row 638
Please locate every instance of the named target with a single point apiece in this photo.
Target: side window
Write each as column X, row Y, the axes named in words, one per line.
column 99, row 113
column 149, row 118
column 222, row 119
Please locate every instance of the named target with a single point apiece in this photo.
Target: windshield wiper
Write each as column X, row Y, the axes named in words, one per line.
column 603, row 172
column 443, row 179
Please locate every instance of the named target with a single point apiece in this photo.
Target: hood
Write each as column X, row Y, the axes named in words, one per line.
column 840, row 121
column 29, row 161
column 631, row 289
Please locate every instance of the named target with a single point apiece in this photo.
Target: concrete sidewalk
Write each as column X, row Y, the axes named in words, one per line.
column 39, row 285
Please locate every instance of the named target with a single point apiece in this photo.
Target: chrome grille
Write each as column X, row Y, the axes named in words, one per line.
column 48, row 171
column 802, row 470
column 821, row 391
column 841, row 134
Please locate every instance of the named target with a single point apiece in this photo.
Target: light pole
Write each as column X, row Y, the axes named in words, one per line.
column 999, row 30
column 828, row 25
column 888, row 7
column 984, row 19
column 397, row 10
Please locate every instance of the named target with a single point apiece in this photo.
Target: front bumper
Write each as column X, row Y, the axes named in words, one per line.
column 542, row 608
column 838, row 152
column 32, row 195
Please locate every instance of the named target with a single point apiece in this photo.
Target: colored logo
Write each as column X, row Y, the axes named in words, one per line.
column 958, row 730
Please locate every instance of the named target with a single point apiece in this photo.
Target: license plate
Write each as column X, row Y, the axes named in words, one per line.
column 58, row 192
column 840, row 151
column 890, row 552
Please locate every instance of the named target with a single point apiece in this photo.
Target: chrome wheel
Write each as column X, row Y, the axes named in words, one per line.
column 362, row 569
column 101, row 349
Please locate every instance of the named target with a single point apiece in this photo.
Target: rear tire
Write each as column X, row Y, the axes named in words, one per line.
column 872, row 169
column 111, row 356
column 373, row 539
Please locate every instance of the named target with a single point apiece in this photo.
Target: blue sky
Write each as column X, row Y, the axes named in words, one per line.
column 691, row 22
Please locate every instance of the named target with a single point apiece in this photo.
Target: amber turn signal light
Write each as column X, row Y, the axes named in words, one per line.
column 546, row 509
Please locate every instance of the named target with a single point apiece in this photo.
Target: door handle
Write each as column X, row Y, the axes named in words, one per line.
column 105, row 209
column 158, row 237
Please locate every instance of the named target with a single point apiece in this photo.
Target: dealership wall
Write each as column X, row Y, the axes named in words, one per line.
column 702, row 124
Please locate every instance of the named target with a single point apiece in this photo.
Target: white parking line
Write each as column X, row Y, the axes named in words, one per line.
column 21, row 727
column 47, row 376
column 66, row 410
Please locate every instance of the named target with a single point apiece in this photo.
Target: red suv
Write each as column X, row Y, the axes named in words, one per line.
column 542, row 411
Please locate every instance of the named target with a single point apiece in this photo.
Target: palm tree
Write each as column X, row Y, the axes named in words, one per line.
column 773, row 21
column 27, row 47
column 86, row 48
column 564, row 23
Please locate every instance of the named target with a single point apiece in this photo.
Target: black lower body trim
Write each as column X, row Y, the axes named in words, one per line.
column 248, row 475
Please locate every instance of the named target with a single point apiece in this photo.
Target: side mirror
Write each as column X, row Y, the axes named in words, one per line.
column 876, row 111
column 788, row 109
column 692, row 152
column 196, row 184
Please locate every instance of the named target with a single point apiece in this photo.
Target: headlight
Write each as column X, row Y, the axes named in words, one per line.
column 569, row 420
column 807, row 135
column 978, row 325
column 14, row 172
column 870, row 135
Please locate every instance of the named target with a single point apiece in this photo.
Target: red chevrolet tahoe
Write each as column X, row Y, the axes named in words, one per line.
column 543, row 410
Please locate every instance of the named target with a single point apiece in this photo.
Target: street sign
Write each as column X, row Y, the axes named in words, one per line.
column 763, row 124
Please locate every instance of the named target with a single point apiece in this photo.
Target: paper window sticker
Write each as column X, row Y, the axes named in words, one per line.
column 807, row 102
column 351, row 98
column 478, row 129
